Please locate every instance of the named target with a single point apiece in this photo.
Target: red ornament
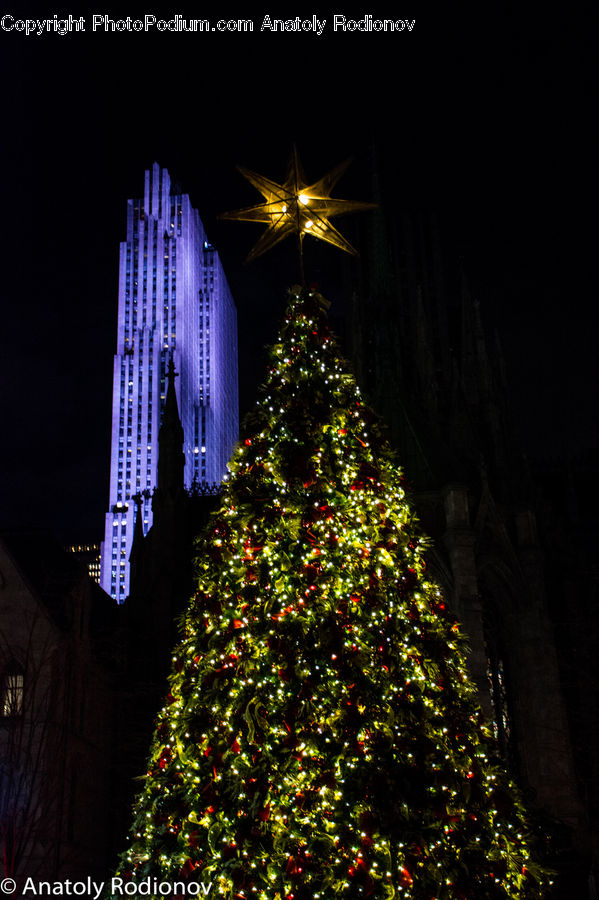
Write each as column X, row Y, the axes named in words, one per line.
column 405, row 877
column 165, row 758
column 187, row 868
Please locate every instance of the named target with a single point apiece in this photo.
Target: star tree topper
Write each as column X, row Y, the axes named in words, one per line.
column 297, row 207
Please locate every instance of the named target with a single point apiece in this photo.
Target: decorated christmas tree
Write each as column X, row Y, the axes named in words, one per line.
column 321, row 737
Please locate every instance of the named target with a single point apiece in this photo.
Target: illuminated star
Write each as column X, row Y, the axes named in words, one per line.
column 296, row 207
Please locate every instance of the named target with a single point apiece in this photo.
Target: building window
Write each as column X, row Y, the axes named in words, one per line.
column 501, row 719
column 498, row 685
column 11, row 702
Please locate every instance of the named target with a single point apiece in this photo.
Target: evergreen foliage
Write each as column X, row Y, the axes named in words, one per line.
column 321, row 737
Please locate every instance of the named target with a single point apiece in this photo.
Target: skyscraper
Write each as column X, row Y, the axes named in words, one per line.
column 174, row 300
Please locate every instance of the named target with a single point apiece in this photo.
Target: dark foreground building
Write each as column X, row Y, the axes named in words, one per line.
column 513, row 552
column 56, row 712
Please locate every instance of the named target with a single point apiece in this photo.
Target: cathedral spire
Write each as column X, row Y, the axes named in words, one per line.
column 474, row 358
column 136, row 555
column 171, row 461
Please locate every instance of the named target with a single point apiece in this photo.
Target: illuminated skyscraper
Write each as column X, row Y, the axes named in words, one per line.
column 173, row 300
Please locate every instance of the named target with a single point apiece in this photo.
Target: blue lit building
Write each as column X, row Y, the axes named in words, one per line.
column 173, row 300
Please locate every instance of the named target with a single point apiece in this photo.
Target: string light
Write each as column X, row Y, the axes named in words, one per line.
column 320, row 736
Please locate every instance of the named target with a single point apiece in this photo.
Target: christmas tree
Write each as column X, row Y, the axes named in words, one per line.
column 321, row 737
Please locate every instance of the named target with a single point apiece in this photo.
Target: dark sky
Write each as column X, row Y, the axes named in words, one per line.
column 490, row 114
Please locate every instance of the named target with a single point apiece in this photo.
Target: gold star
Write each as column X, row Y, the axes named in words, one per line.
column 297, row 207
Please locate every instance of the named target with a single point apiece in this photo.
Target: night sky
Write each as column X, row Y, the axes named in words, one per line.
column 491, row 118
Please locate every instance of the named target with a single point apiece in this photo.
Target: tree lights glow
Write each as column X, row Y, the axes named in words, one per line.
column 321, row 737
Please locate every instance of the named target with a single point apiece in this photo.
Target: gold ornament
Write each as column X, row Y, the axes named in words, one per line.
column 297, row 207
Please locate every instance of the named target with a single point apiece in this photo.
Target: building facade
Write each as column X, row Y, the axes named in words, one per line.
column 57, row 691
column 424, row 357
column 90, row 555
column 174, row 302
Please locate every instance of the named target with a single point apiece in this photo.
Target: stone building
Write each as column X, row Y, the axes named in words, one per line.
column 56, row 715
column 438, row 381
